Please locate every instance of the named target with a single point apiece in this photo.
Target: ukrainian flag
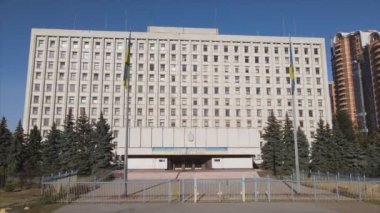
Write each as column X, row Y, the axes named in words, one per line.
column 127, row 63
column 291, row 69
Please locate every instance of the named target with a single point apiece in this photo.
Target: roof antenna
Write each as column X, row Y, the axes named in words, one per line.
column 106, row 21
column 295, row 27
column 283, row 27
column 125, row 22
column 215, row 15
column 75, row 21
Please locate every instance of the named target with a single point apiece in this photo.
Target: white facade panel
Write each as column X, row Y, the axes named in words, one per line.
column 231, row 163
column 160, row 137
column 147, row 163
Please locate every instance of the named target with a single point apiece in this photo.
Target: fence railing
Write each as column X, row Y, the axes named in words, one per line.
column 212, row 190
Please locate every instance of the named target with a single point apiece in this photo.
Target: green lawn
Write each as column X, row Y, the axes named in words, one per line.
column 29, row 197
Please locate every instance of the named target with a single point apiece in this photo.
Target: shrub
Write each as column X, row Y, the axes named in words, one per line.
column 9, row 186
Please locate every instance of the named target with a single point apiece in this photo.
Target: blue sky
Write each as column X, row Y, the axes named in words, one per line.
column 320, row 18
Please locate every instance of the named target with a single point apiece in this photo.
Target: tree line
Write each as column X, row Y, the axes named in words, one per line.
column 337, row 149
column 80, row 146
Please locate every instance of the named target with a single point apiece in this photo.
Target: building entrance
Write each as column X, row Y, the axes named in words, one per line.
column 189, row 162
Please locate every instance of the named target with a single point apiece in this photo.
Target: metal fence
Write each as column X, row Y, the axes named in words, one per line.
column 212, row 190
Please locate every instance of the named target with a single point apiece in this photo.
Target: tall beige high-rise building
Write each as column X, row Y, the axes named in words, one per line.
column 197, row 98
column 355, row 60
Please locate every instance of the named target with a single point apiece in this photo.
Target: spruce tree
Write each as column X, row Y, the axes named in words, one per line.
column 344, row 123
column 17, row 154
column 102, row 154
column 51, row 151
column 273, row 150
column 318, row 150
column 33, row 158
column 331, row 151
column 303, row 150
column 83, row 131
column 5, row 144
column 288, row 141
column 68, row 145
column 372, row 157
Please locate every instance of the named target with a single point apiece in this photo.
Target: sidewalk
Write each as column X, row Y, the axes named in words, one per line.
column 282, row 207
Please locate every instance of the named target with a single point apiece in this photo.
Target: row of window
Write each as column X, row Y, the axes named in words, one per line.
column 185, row 101
column 184, row 47
column 184, row 90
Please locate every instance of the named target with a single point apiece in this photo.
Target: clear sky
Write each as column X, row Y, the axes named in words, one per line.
column 319, row 18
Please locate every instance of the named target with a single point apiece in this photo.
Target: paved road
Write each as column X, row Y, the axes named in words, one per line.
column 281, row 207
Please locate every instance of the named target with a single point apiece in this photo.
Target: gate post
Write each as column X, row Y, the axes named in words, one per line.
column 195, row 189
column 169, row 191
column 337, row 187
column 243, row 189
column 268, row 188
column 182, row 191
column 314, row 188
column 255, row 188
column 68, row 190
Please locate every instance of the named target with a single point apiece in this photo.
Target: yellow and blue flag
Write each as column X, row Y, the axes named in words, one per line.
column 127, row 63
column 291, row 69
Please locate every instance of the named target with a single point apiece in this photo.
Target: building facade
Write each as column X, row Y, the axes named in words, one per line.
column 354, row 69
column 194, row 93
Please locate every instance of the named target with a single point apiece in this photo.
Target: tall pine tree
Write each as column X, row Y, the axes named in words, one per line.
column 273, row 150
column 51, row 151
column 33, row 158
column 5, row 144
column 83, row 156
column 288, row 141
column 318, row 150
column 102, row 154
column 16, row 157
column 68, row 145
column 303, row 150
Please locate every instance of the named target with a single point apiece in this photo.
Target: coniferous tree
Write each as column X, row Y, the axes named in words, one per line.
column 51, row 151
column 102, row 154
column 272, row 151
column 17, row 154
column 33, row 160
column 318, row 150
column 288, row 142
column 68, row 145
column 5, row 143
column 83, row 157
column 349, row 153
column 372, row 158
column 303, row 150
column 345, row 125
column 331, row 151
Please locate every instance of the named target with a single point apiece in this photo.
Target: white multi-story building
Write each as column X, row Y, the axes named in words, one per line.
column 197, row 98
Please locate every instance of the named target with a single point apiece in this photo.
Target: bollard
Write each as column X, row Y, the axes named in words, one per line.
column 243, row 189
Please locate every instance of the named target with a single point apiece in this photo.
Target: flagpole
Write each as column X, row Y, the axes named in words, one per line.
column 295, row 123
column 127, row 118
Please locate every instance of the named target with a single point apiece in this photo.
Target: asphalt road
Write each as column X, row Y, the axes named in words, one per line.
column 278, row 207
